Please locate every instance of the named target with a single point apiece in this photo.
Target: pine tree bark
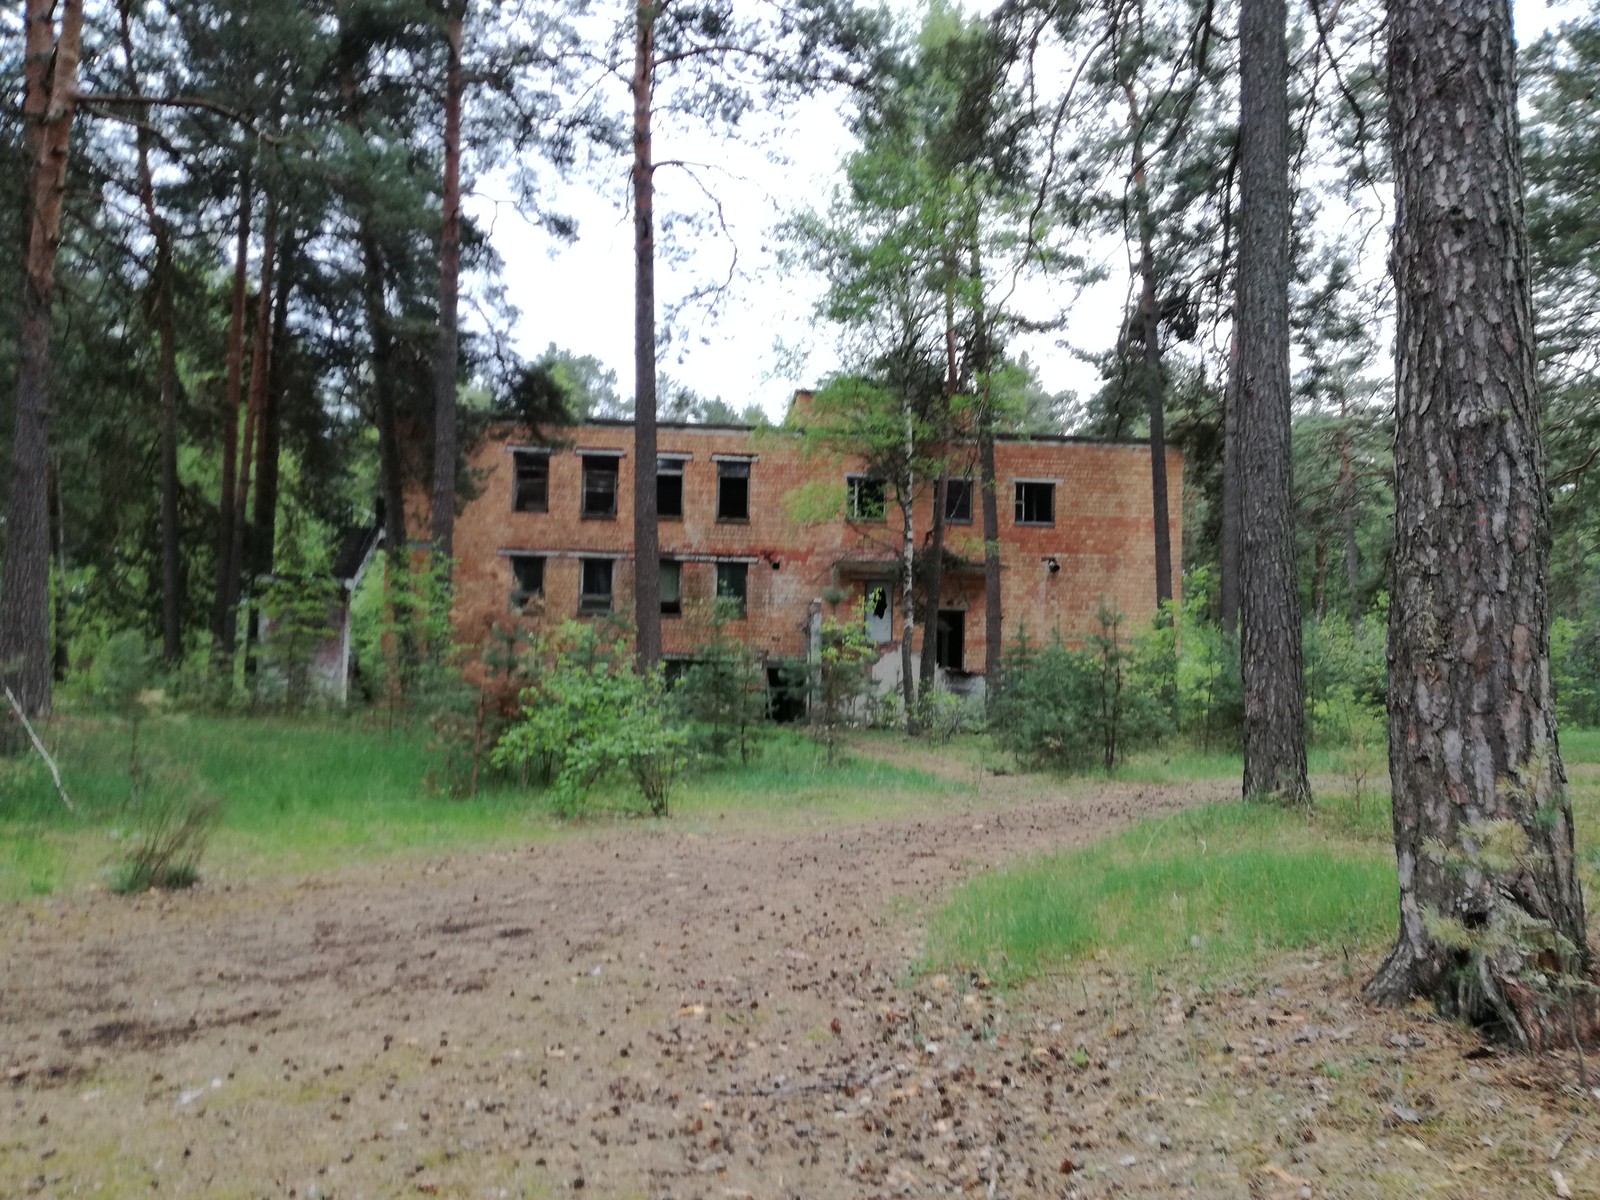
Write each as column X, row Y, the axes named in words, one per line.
column 1274, row 689
column 266, row 500
column 233, row 390
column 167, row 382
column 391, row 481
column 1491, row 911
column 1232, row 505
column 260, row 370
column 1151, row 374
column 50, row 93
column 646, row 537
column 442, row 523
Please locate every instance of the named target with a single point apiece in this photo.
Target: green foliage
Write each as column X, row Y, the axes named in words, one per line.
column 589, row 717
column 118, row 673
column 1065, row 710
column 173, row 821
column 1575, row 669
column 298, row 606
column 725, row 690
column 1210, row 689
column 1346, row 672
column 941, row 714
column 843, row 676
column 1214, row 888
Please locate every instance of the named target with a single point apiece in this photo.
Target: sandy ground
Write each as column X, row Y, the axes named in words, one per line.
column 640, row 1011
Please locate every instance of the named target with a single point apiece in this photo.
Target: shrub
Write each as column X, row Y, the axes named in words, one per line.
column 298, row 605
column 1066, row 709
column 1346, row 679
column 1575, row 668
column 843, row 674
column 590, row 717
column 942, row 714
column 725, row 690
column 174, row 821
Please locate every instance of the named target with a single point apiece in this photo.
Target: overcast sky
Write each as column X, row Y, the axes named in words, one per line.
column 765, row 342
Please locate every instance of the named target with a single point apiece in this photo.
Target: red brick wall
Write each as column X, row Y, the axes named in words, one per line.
column 1101, row 537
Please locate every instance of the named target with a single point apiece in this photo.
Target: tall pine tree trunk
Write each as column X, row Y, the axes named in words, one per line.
column 266, row 501
column 1150, row 373
column 391, row 482
column 1274, row 689
column 1232, row 495
column 167, row 381
column 50, row 72
column 260, row 368
column 646, row 537
column 444, row 397
column 1491, row 911
column 233, row 386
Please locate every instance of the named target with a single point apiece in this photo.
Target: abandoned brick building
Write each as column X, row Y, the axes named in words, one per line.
column 549, row 538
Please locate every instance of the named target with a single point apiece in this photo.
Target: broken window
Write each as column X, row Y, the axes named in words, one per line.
column 594, row 587
column 527, row 578
column 1036, row 503
column 669, row 487
column 868, row 498
column 879, row 612
column 733, row 582
column 530, row 490
column 733, row 490
column 671, row 587
column 599, row 485
column 958, row 501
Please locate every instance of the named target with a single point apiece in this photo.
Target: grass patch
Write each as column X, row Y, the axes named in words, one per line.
column 791, row 777
column 1213, row 888
column 297, row 797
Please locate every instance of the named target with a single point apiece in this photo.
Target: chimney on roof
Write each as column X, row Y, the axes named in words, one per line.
column 801, row 409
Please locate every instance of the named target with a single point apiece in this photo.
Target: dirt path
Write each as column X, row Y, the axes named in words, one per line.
column 646, row 1013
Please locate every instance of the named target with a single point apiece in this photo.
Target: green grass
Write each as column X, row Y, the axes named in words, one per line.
column 298, row 797
column 1212, row 888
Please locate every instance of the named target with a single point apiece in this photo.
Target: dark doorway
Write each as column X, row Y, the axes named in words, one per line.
column 786, row 693
column 950, row 639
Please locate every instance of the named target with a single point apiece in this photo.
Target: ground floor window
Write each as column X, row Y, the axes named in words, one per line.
column 594, row 588
column 671, row 587
column 733, row 584
column 527, row 578
column 880, row 612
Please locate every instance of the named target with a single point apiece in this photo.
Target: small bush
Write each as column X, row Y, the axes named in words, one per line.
column 1575, row 670
column 843, row 676
column 725, row 690
column 1065, row 710
column 941, row 714
column 173, row 824
column 590, row 717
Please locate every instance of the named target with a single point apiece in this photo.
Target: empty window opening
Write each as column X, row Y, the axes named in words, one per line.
column 669, row 488
column 594, row 587
column 1036, row 503
column 530, row 490
column 599, row 485
column 880, row 612
column 950, row 639
column 868, row 498
column 733, row 491
column 958, row 501
column 671, row 587
column 733, row 582
column 527, row 578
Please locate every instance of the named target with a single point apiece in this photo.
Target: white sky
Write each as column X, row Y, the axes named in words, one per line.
column 580, row 296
